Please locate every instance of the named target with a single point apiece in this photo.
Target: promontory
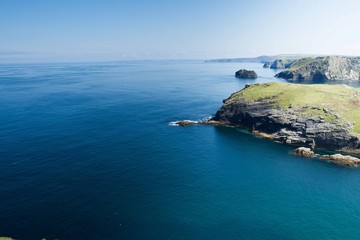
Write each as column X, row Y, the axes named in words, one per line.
column 323, row 69
column 316, row 116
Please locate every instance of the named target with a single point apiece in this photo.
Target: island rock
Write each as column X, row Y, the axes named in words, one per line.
column 243, row 73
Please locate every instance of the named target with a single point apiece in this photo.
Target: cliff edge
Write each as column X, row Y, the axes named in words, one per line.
column 323, row 69
column 317, row 116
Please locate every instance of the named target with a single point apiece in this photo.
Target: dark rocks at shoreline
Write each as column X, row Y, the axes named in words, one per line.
column 286, row 126
column 185, row 123
column 266, row 65
column 301, row 126
column 248, row 74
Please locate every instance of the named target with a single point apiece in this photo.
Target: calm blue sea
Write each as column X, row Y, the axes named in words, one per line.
column 87, row 152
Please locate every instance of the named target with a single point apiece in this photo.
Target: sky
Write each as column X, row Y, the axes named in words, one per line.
column 107, row 30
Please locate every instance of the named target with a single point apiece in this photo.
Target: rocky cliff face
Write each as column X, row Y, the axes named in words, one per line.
column 300, row 125
column 323, row 69
column 281, row 63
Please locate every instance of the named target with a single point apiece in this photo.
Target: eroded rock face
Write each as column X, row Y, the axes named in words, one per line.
column 243, row 73
column 281, row 63
column 289, row 126
column 323, row 69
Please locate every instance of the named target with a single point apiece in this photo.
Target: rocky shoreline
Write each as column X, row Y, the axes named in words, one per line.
column 280, row 112
column 338, row 158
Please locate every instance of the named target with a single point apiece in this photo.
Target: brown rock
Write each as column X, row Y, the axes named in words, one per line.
column 343, row 160
column 303, row 152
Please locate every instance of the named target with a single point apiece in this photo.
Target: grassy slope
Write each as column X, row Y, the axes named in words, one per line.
column 341, row 99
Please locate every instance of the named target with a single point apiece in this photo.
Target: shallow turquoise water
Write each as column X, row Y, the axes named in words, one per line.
column 87, row 152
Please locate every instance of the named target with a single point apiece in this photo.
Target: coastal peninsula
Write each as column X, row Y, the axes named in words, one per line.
column 315, row 116
column 327, row 68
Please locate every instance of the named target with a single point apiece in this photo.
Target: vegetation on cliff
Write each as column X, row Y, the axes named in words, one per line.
column 323, row 69
column 325, row 116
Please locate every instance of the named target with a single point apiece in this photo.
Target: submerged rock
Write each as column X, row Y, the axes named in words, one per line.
column 243, row 73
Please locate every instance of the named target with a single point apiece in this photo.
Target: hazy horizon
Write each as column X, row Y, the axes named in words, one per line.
column 67, row 31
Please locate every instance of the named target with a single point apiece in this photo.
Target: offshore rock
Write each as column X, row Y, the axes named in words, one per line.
column 303, row 152
column 243, row 73
column 342, row 160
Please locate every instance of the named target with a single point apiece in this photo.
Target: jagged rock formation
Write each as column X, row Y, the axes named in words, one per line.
column 266, row 65
column 281, row 63
column 323, row 69
column 243, row 73
column 304, row 152
column 340, row 159
column 315, row 116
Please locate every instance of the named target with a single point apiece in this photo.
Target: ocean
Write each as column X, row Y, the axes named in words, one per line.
column 88, row 151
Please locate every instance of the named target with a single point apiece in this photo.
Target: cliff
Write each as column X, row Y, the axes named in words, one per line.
column 282, row 63
column 323, row 69
column 317, row 116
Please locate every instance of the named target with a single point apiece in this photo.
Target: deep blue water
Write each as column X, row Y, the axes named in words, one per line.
column 86, row 152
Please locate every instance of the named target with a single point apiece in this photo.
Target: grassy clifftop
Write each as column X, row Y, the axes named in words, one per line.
column 323, row 101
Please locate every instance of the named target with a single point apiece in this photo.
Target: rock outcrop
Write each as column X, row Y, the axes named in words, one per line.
column 323, row 69
column 342, row 160
column 303, row 152
column 338, row 159
column 243, row 73
column 266, row 65
column 312, row 116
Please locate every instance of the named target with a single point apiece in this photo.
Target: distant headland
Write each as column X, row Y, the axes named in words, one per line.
column 307, row 67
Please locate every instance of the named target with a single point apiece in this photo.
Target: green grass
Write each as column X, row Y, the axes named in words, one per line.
column 339, row 99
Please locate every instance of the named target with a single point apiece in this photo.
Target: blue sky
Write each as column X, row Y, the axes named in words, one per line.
column 166, row 29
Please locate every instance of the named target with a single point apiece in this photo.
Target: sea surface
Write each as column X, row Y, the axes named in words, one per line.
column 87, row 151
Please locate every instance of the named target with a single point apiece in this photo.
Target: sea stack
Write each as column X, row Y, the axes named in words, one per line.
column 243, row 73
